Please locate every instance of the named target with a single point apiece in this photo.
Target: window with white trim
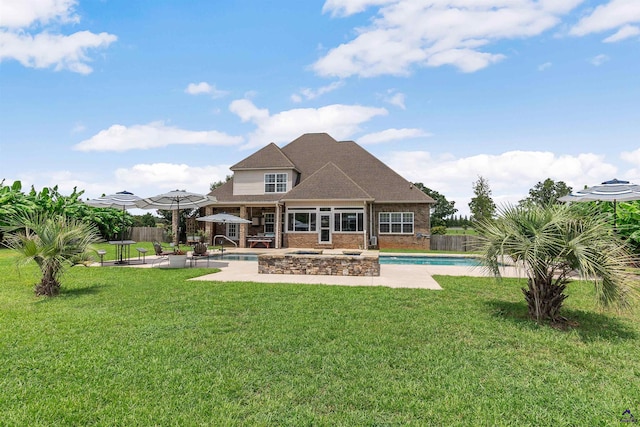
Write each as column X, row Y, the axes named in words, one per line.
column 301, row 221
column 232, row 231
column 395, row 222
column 348, row 220
column 269, row 222
column 275, row 182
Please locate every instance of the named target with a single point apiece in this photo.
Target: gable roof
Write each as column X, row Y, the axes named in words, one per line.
column 268, row 157
column 312, row 151
column 344, row 170
column 328, row 182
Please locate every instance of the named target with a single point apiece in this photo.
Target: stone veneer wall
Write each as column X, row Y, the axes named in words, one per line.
column 329, row 265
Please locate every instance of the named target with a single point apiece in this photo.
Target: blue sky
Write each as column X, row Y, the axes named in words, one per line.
column 154, row 95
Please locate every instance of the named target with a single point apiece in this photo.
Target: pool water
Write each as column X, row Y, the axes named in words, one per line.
column 384, row 259
column 236, row 257
column 429, row 260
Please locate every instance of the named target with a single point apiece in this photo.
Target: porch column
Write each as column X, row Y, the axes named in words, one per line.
column 209, row 226
column 278, row 227
column 242, row 235
column 365, row 220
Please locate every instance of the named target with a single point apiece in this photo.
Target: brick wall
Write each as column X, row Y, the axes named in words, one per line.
column 421, row 212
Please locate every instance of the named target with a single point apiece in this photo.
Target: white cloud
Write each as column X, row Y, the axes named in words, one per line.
column 510, row 174
column 610, row 16
column 307, row 93
column 147, row 179
column 544, row 66
column 389, row 135
column 205, row 88
column 408, row 33
column 153, row 135
column 395, row 98
column 340, row 121
column 623, row 33
column 24, row 13
column 46, row 48
column 631, row 157
column 144, row 180
column 349, row 7
column 599, row 60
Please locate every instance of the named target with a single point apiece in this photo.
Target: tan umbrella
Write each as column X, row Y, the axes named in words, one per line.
column 174, row 201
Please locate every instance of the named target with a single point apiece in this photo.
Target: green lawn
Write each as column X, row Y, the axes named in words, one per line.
column 125, row 346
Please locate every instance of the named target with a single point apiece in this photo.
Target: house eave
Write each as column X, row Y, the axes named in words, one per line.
column 404, row 201
column 326, row 200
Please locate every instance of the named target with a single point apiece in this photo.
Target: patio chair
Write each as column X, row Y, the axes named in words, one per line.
column 159, row 250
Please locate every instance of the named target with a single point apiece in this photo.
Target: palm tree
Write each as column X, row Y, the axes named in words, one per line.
column 52, row 242
column 553, row 243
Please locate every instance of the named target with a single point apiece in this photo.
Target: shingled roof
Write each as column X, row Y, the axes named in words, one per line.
column 312, row 151
column 268, row 157
column 335, row 170
column 327, row 183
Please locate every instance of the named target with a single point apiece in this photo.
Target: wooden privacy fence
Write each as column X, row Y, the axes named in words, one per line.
column 454, row 243
column 147, row 234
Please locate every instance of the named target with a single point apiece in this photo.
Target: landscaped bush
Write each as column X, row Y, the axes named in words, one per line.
column 439, row 229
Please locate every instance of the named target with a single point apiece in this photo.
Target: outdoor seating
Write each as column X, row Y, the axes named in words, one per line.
column 101, row 254
column 143, row 252
column 160, row 251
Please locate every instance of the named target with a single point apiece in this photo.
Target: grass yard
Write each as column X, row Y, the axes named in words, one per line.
column 126, row 346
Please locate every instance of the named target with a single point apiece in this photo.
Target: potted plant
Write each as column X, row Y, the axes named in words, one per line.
column 178, row 259
column 200, row 248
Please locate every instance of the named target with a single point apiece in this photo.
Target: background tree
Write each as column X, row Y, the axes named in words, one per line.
column 442, row 209
column 551, row 242
column 51, row 202
column 217, row 184
column 146, row 220
column 547, row 192
column 481, row 205
column 52, row 242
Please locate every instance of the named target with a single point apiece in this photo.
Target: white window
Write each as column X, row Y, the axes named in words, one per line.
column 348, row 220
column 232, row 231
column 275, row 182
column 269, row 222
column 395, row 222
column 301, row 221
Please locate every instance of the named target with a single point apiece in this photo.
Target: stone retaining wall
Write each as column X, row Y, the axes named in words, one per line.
column 328, row 265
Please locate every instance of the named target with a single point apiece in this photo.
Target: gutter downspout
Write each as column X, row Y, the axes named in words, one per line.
column 370, row 220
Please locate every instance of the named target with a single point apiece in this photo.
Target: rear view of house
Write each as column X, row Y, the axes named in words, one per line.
column 316, row 192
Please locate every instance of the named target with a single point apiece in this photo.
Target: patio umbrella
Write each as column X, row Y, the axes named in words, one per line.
column 614, row 191
column 224, row 218
column 122, row 199
column 174, row 201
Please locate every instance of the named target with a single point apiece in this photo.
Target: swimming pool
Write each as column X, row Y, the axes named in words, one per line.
column 236, row 257
column 429, row 260
column 384, row 259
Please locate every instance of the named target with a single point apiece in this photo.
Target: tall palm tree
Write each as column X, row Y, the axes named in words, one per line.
column 552, row 244
column 53, row 243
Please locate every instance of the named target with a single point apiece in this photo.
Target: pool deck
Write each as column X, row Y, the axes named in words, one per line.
column 391, row 275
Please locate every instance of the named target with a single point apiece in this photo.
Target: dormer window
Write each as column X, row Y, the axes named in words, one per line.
column 275, row 182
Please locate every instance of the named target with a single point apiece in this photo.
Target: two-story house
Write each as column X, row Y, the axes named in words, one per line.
column 316, row 192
